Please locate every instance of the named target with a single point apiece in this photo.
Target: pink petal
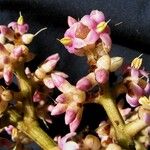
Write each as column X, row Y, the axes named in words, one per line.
column 84, row 84
column 8, row 75
column 136, row 89
column 17, row 52
column 61, row 98
column 133, row 101
column 23, row 28
column 13, row 25
column 87, row 21
column 58, row 80
column 62, row 74
column 37, row 97
column 71, row 31
column 49, row 82
column 134, row 73
column 147, row 88
column 92, row 37
column 58, row 109
column 53, row 57
column 97, row 16
column 105, row 37
column 75, row 123
column 78, row 43
column 71, row 21
column 70, row 116
column 102, row 76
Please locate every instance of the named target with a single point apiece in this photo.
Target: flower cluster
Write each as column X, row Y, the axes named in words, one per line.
column 126, row 100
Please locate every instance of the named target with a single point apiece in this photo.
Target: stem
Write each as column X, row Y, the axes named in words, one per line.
column 37, row 135
column 26, row 90
column 116, row 119
column 32, row 130
column 134, row 127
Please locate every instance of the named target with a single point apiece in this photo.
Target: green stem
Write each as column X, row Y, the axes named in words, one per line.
column 134, row 127
column 116, row 119
column 26, row 90
column 32, row 130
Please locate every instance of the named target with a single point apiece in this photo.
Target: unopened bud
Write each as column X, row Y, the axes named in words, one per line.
column 104, row 62
column 6, row 95
column 2, row 39
column 3, row 106
column 40, row 74
column 92, row 142
column 113, row 146
column 116, row 63
column 27, row 38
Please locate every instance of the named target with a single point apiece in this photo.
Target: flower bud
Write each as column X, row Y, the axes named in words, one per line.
column 59, row 109
column 104, row 62
column 137, row 62
column 40, row 74
column 3, row 106
column 48, row 82
column 2, row 39
column 27, row 38
column 92, row 142
column 6, row 95
column 102, row 76
column 113, row 146
column 116, row 63
column 49, row 66
column 8, row 75
column 70, row 116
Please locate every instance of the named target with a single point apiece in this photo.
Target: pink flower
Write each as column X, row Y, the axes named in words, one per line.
column 64, row 144
column 86, row 32
column 137, row 83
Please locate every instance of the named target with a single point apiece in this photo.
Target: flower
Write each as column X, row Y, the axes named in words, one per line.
column 70, row 101
column 136, row 81
column 19, row 26
column 67, row 145
column 84, row 34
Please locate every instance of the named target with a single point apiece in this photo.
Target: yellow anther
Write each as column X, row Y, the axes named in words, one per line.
column 66, row 41
column 102, row 26
column 20, row 19
column 137, row 62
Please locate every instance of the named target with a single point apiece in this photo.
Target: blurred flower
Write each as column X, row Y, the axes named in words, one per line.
column 65, row 144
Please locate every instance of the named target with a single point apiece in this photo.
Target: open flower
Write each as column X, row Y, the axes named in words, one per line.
column 137, row 82
column 19, row 26
column 83, row 35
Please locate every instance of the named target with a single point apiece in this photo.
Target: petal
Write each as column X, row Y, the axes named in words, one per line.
column 136, row 89
column 71, row 31
column 92, row 37
column 147, row 88
column 70, row 116
column 97, row 16
column 132, row 100
column 87, row 21
column 71, row 21
column 134, row 73
column 105, row 37
column 78, row 43
column 58, row 109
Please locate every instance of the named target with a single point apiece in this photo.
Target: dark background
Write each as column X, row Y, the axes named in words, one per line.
column 130, row 38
